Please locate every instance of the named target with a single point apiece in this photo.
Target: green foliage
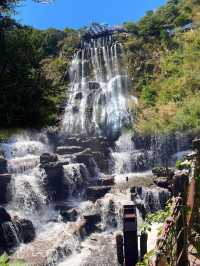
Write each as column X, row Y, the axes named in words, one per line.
column 157, row 217
column 32, row 75
column 131, row 27
column 166, row 74
column 164, row 68
column 33, row 70
column 183, row 164
column 4, row 260
column 147, row 256
column 6, row 133
column 148, row 95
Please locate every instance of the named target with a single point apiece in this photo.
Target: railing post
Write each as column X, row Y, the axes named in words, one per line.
column 180, row 187
column 120, row 249
column 181, row 237
column 143, row 244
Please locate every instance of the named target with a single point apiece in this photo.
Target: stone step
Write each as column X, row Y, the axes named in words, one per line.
column 97, row 192
column 62, row 150
column 106, row 181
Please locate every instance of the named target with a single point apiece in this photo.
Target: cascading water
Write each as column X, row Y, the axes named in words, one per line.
column 98, row 91
column 23, row 155
column 97, row 106
column 122, row 156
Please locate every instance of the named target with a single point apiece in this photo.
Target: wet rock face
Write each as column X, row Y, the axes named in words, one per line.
column 47, row 158
column 75, row 109
column 26, row 230
column 75, row 178
column 14, row 231
column 87, row 149
column 94, row 193
column 4, row 215
column 162, row 182
column 91, row 222
column 85, row 157
column 79, row 96
column 54, row 176
column 3, row 165
column 5, row 180
column 69, row 215
column 161, row 148
column 62, row 150
column 4, row 218
column 150, row 199
column 92, row 85
column 54, row 181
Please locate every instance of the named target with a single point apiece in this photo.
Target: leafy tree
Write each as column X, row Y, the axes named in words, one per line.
column 148, row 95
column 131, row 27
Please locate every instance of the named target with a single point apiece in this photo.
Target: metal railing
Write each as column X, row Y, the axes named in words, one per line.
column 171, row 247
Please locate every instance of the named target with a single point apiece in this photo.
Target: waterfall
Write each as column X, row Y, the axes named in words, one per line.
column 96, row 114
column 127, row 159
column 98, row 90
column 122, row 156
column 23, row 154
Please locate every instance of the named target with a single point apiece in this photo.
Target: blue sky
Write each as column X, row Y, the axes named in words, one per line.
column 78, row 13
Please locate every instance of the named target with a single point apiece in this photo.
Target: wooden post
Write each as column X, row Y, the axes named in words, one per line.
column 181, row 223
column 130, row 235
column 181, row 237
column 120, row 251
column 143, row 244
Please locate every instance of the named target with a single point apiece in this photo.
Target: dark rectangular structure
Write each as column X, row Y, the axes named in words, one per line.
column 130, row 235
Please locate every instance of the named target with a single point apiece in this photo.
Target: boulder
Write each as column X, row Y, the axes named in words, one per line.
column 26, row 230
column 86, row 158
column 75, row 109
column 102, row 161
column 69, row 215
column 75, row 178
column 4, row 215
column 162, row 182
column 3, row 165
column 48, row 157
column 96, row 192
column 53, row 169
column 5, row 180
column 54, row 181
column 79, row 96
column 6, row 234
column 92, row 85
column 91, row 221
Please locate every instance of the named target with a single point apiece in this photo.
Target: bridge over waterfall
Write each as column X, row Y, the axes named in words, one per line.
column 97, row 30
